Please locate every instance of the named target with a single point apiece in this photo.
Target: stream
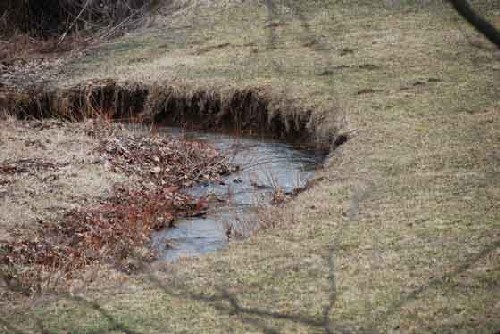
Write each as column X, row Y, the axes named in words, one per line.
column 268, row 170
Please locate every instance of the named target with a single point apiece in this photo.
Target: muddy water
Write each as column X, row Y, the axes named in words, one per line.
column 268, row 170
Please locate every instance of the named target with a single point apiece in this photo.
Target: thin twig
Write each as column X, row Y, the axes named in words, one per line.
column 63, row 36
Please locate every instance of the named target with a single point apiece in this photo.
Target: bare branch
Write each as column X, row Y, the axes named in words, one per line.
column 478, row 22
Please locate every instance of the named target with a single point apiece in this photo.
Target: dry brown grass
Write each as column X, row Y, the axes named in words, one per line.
column 405, row 224
column 26, row 197
column 41, row 254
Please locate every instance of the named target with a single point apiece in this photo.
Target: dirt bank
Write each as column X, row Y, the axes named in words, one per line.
column 251, row 111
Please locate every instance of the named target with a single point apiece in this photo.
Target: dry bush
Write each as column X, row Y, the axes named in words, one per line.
column 52, row 17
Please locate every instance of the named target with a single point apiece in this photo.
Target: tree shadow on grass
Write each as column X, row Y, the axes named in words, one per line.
column 433, row 283
column 227, row 302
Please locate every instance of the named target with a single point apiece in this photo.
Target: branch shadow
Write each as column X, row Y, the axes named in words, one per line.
column 115, row 325
column 228, row 303
column 332, row 298
column 415, row 294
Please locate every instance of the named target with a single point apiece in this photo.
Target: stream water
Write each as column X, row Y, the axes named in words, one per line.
column 267, row 169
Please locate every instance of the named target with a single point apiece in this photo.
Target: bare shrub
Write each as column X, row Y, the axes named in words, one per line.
column 51, row 17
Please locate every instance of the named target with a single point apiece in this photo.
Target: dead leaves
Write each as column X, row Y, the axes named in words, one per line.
column 31, row 166
column 111, row 231
column 164, row 160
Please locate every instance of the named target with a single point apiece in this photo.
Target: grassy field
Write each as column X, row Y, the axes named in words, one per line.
column 403, row 232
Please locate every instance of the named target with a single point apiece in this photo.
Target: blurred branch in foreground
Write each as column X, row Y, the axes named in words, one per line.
column 478, row 22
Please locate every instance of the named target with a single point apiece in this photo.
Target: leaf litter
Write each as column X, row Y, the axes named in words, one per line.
column 115, row 228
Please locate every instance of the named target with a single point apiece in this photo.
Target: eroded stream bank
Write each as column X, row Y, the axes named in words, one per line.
column 267, row 155
column 255, row 111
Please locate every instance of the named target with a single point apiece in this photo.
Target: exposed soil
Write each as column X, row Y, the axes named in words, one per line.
column 246, row 111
